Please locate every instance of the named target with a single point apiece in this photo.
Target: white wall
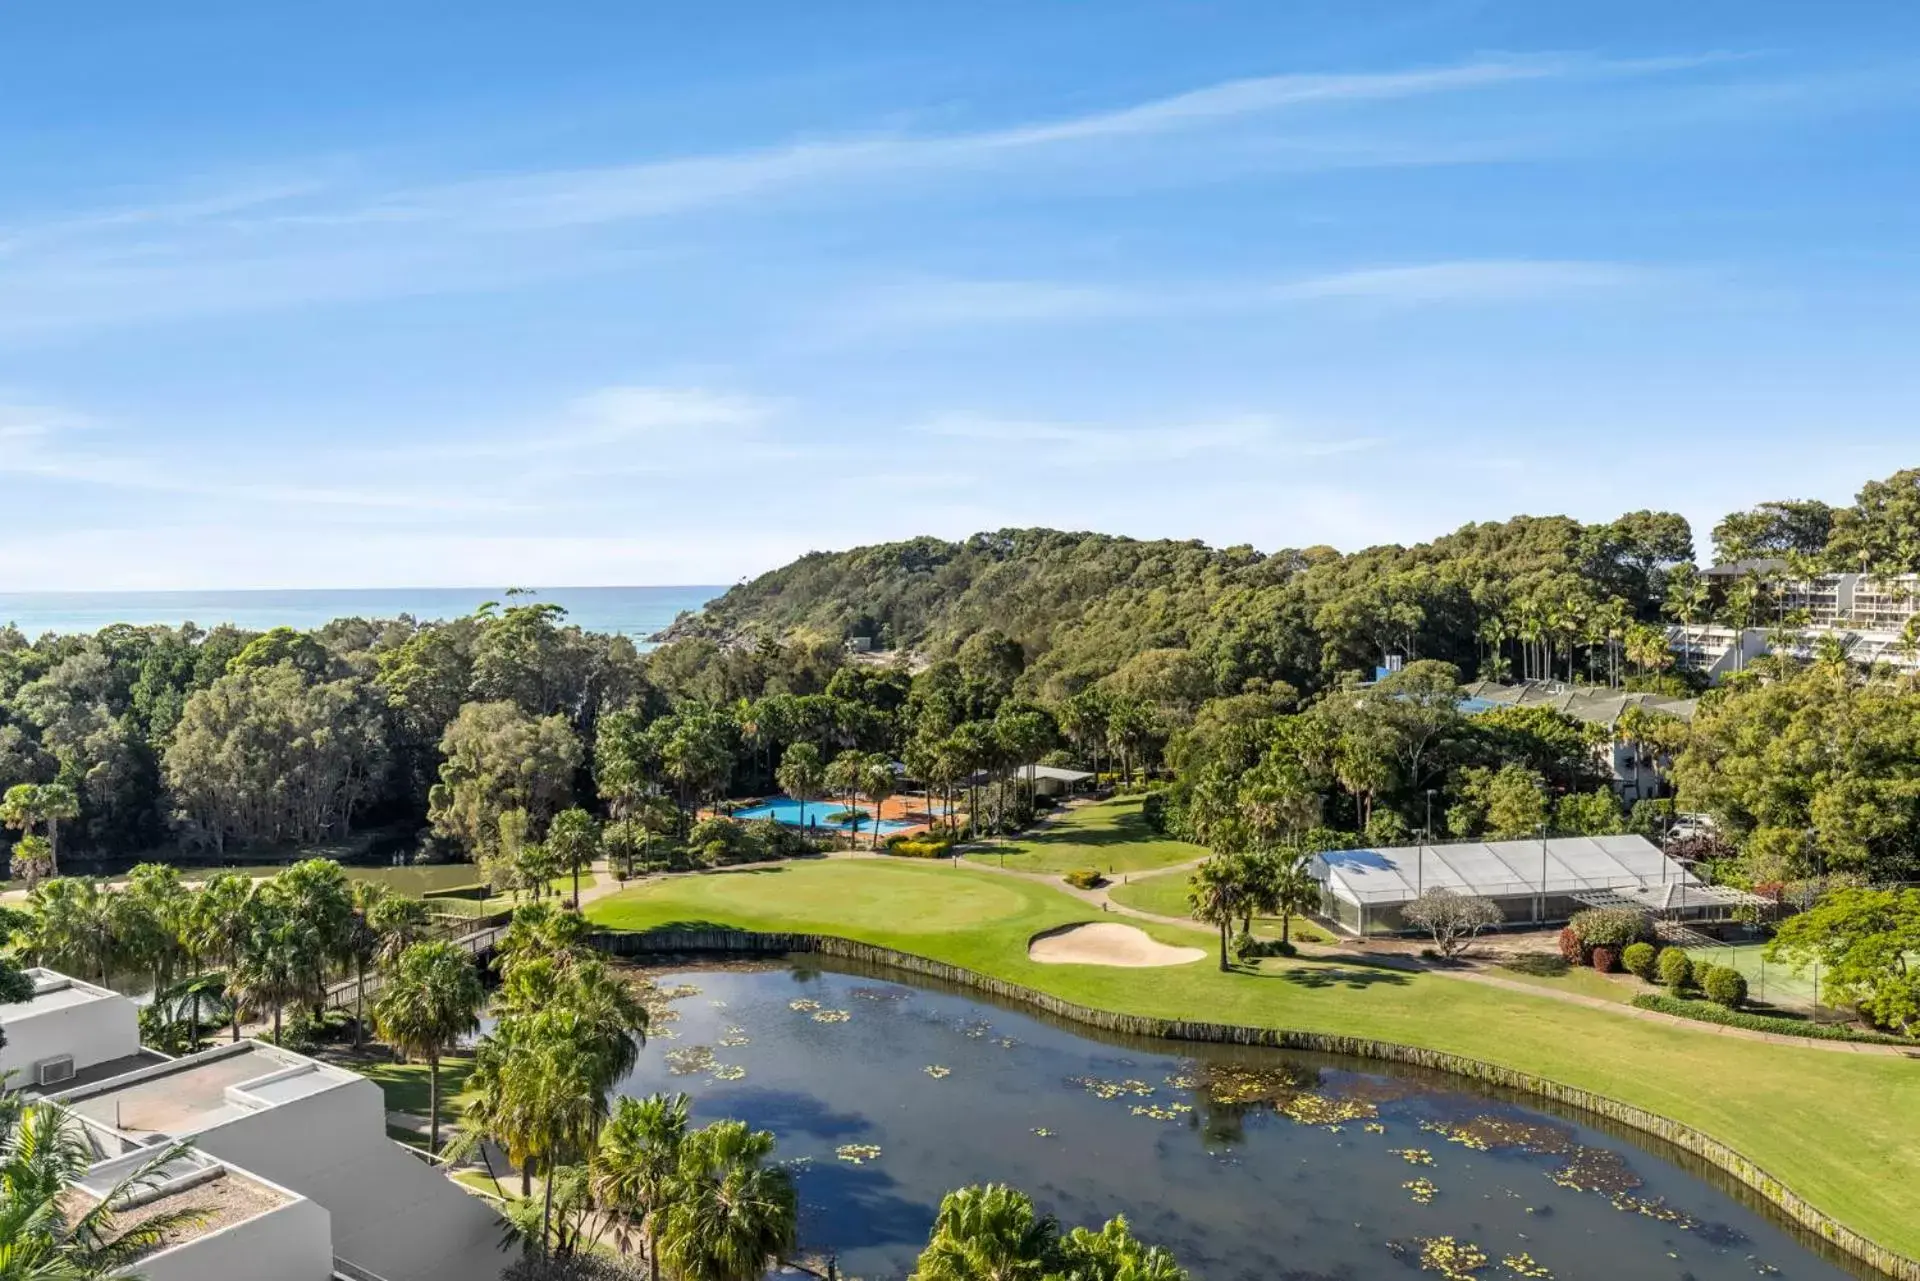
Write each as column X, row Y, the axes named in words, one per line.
column 94, row 1031
column 291, row 1243
column 392, row 1214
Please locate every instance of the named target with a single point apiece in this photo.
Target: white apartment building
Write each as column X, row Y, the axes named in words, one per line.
column 290, row 1167
column 1870, row 613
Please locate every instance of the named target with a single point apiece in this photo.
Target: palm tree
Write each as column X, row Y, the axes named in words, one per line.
column 573, row 842
column 44, row 1154
column 844, row 777
column 989, row 1233
column 32, row 860
column 74, row 927
column 732, row 1214
column 273, row 968
column 431, row 999
column 363, row 944
column 397, row 923
column 318, row 899
column 635, row 1164
column 27, row 805
column 155, row 909
column 878, row 781
column 801, row 775
column 1296, row 893
column 1213, row 896
column 219, row 923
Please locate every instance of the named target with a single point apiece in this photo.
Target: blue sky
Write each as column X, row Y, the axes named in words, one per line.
column 367, row 294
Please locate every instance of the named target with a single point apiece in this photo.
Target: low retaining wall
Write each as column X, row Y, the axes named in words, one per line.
column 1684, row 1137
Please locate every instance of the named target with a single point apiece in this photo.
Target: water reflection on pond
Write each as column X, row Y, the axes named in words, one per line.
column 1246, row 1163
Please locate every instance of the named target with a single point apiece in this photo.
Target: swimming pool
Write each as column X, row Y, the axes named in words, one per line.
column 784, row 809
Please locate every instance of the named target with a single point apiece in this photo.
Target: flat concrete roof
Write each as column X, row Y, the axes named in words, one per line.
column 196, row 1093
column 216, row 1192
column 53, row 991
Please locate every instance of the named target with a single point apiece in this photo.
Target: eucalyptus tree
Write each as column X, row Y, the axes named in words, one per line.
column 431, row 998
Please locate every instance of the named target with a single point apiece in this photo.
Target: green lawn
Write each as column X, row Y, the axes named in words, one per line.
column 1165, row 894
column 1581, row 980
column 1838, row 1128
column 1109, row 836
column 406, row 1083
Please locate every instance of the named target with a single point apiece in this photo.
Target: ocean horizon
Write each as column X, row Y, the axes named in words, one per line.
column 638, row 612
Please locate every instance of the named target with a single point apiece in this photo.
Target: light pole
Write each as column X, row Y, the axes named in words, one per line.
column 1420, row 854
column 1540, row 912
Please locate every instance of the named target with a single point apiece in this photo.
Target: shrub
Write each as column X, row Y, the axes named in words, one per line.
column 1083, row 878
column 1640, row 960
column 1606, row 959
column 1724, row 986
column 1613, row 927
column 919, row 846
column 1676, row 968
column 1707, row 1012
column 1249, row 948
column 1572, row 950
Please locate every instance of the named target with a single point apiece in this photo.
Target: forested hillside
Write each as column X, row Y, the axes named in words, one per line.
column 1080, row 606
column 1239, row 678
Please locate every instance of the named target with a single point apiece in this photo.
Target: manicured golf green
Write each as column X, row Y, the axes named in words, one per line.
column 1108, row 836
column 1839, row 1129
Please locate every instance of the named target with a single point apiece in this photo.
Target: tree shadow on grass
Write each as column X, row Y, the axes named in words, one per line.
column 1352, row 977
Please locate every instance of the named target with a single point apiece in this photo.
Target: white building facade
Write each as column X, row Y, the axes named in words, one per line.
column 289, row 1162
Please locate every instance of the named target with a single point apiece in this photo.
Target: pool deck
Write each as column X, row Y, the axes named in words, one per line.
column 910, row 810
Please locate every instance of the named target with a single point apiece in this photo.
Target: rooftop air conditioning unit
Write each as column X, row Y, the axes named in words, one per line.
column 53, row 1071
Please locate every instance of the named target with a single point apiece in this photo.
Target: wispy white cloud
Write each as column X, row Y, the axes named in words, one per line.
column 1244, row 437
column 278, row 242
column 925, row 303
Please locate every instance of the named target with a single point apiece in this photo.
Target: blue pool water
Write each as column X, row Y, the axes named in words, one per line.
column 784, row 809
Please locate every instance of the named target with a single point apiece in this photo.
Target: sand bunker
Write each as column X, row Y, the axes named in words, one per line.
column 1105, row 943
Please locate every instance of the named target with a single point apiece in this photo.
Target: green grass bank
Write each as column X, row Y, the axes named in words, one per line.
column 1838, row 1129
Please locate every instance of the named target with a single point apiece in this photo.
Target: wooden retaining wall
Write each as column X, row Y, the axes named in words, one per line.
column 1685, row 1137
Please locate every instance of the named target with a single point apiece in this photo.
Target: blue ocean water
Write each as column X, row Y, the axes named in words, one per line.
column 632, row 611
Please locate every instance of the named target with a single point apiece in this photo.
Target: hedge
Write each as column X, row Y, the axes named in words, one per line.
column 1708, row 1012
column 1082, row 878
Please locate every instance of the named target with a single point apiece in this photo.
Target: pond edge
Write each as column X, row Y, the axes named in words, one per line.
column 1685, row 1137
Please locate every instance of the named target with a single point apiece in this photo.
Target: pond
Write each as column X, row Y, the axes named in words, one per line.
column 885, row 1092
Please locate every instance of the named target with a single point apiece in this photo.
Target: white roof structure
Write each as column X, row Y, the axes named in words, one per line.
column 1558, row 866
column 291, row 1162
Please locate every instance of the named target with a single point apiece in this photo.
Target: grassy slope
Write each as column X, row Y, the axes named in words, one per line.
column 406, row 1084
column 1109, row 836
column 1838, row 1128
